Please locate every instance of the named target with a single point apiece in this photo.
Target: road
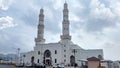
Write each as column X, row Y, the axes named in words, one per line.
column 9, row 66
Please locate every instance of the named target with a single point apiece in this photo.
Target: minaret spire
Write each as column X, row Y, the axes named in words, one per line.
column 65, row 1
column 65, row 23
column 40, row 35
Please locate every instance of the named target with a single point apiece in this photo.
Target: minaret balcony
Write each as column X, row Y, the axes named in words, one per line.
column 39, row 40
column 65, row 37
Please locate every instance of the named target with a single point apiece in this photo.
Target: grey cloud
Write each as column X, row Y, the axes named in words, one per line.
column 26, row 16
column 98, row 24
column 91, row 23
column 103, row 18
column 16, row 38
column 28, row 13
column 30, row 18
column 6, row 44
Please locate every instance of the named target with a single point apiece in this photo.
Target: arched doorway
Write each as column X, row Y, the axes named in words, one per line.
column 38, row 61
column 32, row 60
column 72, row 60
column 47, row 58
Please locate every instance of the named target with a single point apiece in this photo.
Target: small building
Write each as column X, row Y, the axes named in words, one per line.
column 116, row 64
column 93, row 62
column 107, row 63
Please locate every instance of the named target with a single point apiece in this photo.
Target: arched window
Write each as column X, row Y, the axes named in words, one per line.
column 24, row 56
column 64, row 50
column 64, row 55
column 38, row 61
column 64, row 60
column 100, row 57
column 38, row 52
column 55, row 60
column 32, row 59
column 55, row 51
column 47, row 53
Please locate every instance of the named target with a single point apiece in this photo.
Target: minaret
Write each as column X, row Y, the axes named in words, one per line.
column 40, row 35
column 65, row 24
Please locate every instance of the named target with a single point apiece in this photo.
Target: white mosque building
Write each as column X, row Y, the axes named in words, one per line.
column 62, row 52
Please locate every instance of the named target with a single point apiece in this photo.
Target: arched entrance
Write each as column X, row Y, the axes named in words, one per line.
column 72, row 60
column 32, row 60
column 47, row 58
column 38, row 61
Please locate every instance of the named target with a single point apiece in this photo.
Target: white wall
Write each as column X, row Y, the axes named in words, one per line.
column 60, row 47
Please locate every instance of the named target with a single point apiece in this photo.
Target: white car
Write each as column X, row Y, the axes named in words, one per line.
column 58, row 66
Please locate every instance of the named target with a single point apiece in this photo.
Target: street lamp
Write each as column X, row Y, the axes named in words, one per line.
column 18, row 56
column 15, row 59
column 23, row 60
column 11, row 60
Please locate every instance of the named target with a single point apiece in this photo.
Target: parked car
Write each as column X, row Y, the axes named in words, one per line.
column 19, row 65
column 39, row 65
column 58, row 66
column 35, row 65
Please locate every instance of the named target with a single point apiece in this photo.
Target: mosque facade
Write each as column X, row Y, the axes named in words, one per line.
column 62, row 52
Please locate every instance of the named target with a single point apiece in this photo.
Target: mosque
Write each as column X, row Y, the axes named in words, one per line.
column 62, row 52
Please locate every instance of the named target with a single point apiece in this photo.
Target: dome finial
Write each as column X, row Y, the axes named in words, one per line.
column 41, row 10
column 65, row 4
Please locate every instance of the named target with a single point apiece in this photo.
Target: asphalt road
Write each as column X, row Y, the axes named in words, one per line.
column 9, row 66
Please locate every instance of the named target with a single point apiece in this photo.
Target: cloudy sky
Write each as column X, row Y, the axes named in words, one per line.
column 94, row 24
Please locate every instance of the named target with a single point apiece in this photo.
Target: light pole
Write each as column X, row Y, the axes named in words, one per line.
column 18, row 56
column 11, row 60
column 23, row 60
